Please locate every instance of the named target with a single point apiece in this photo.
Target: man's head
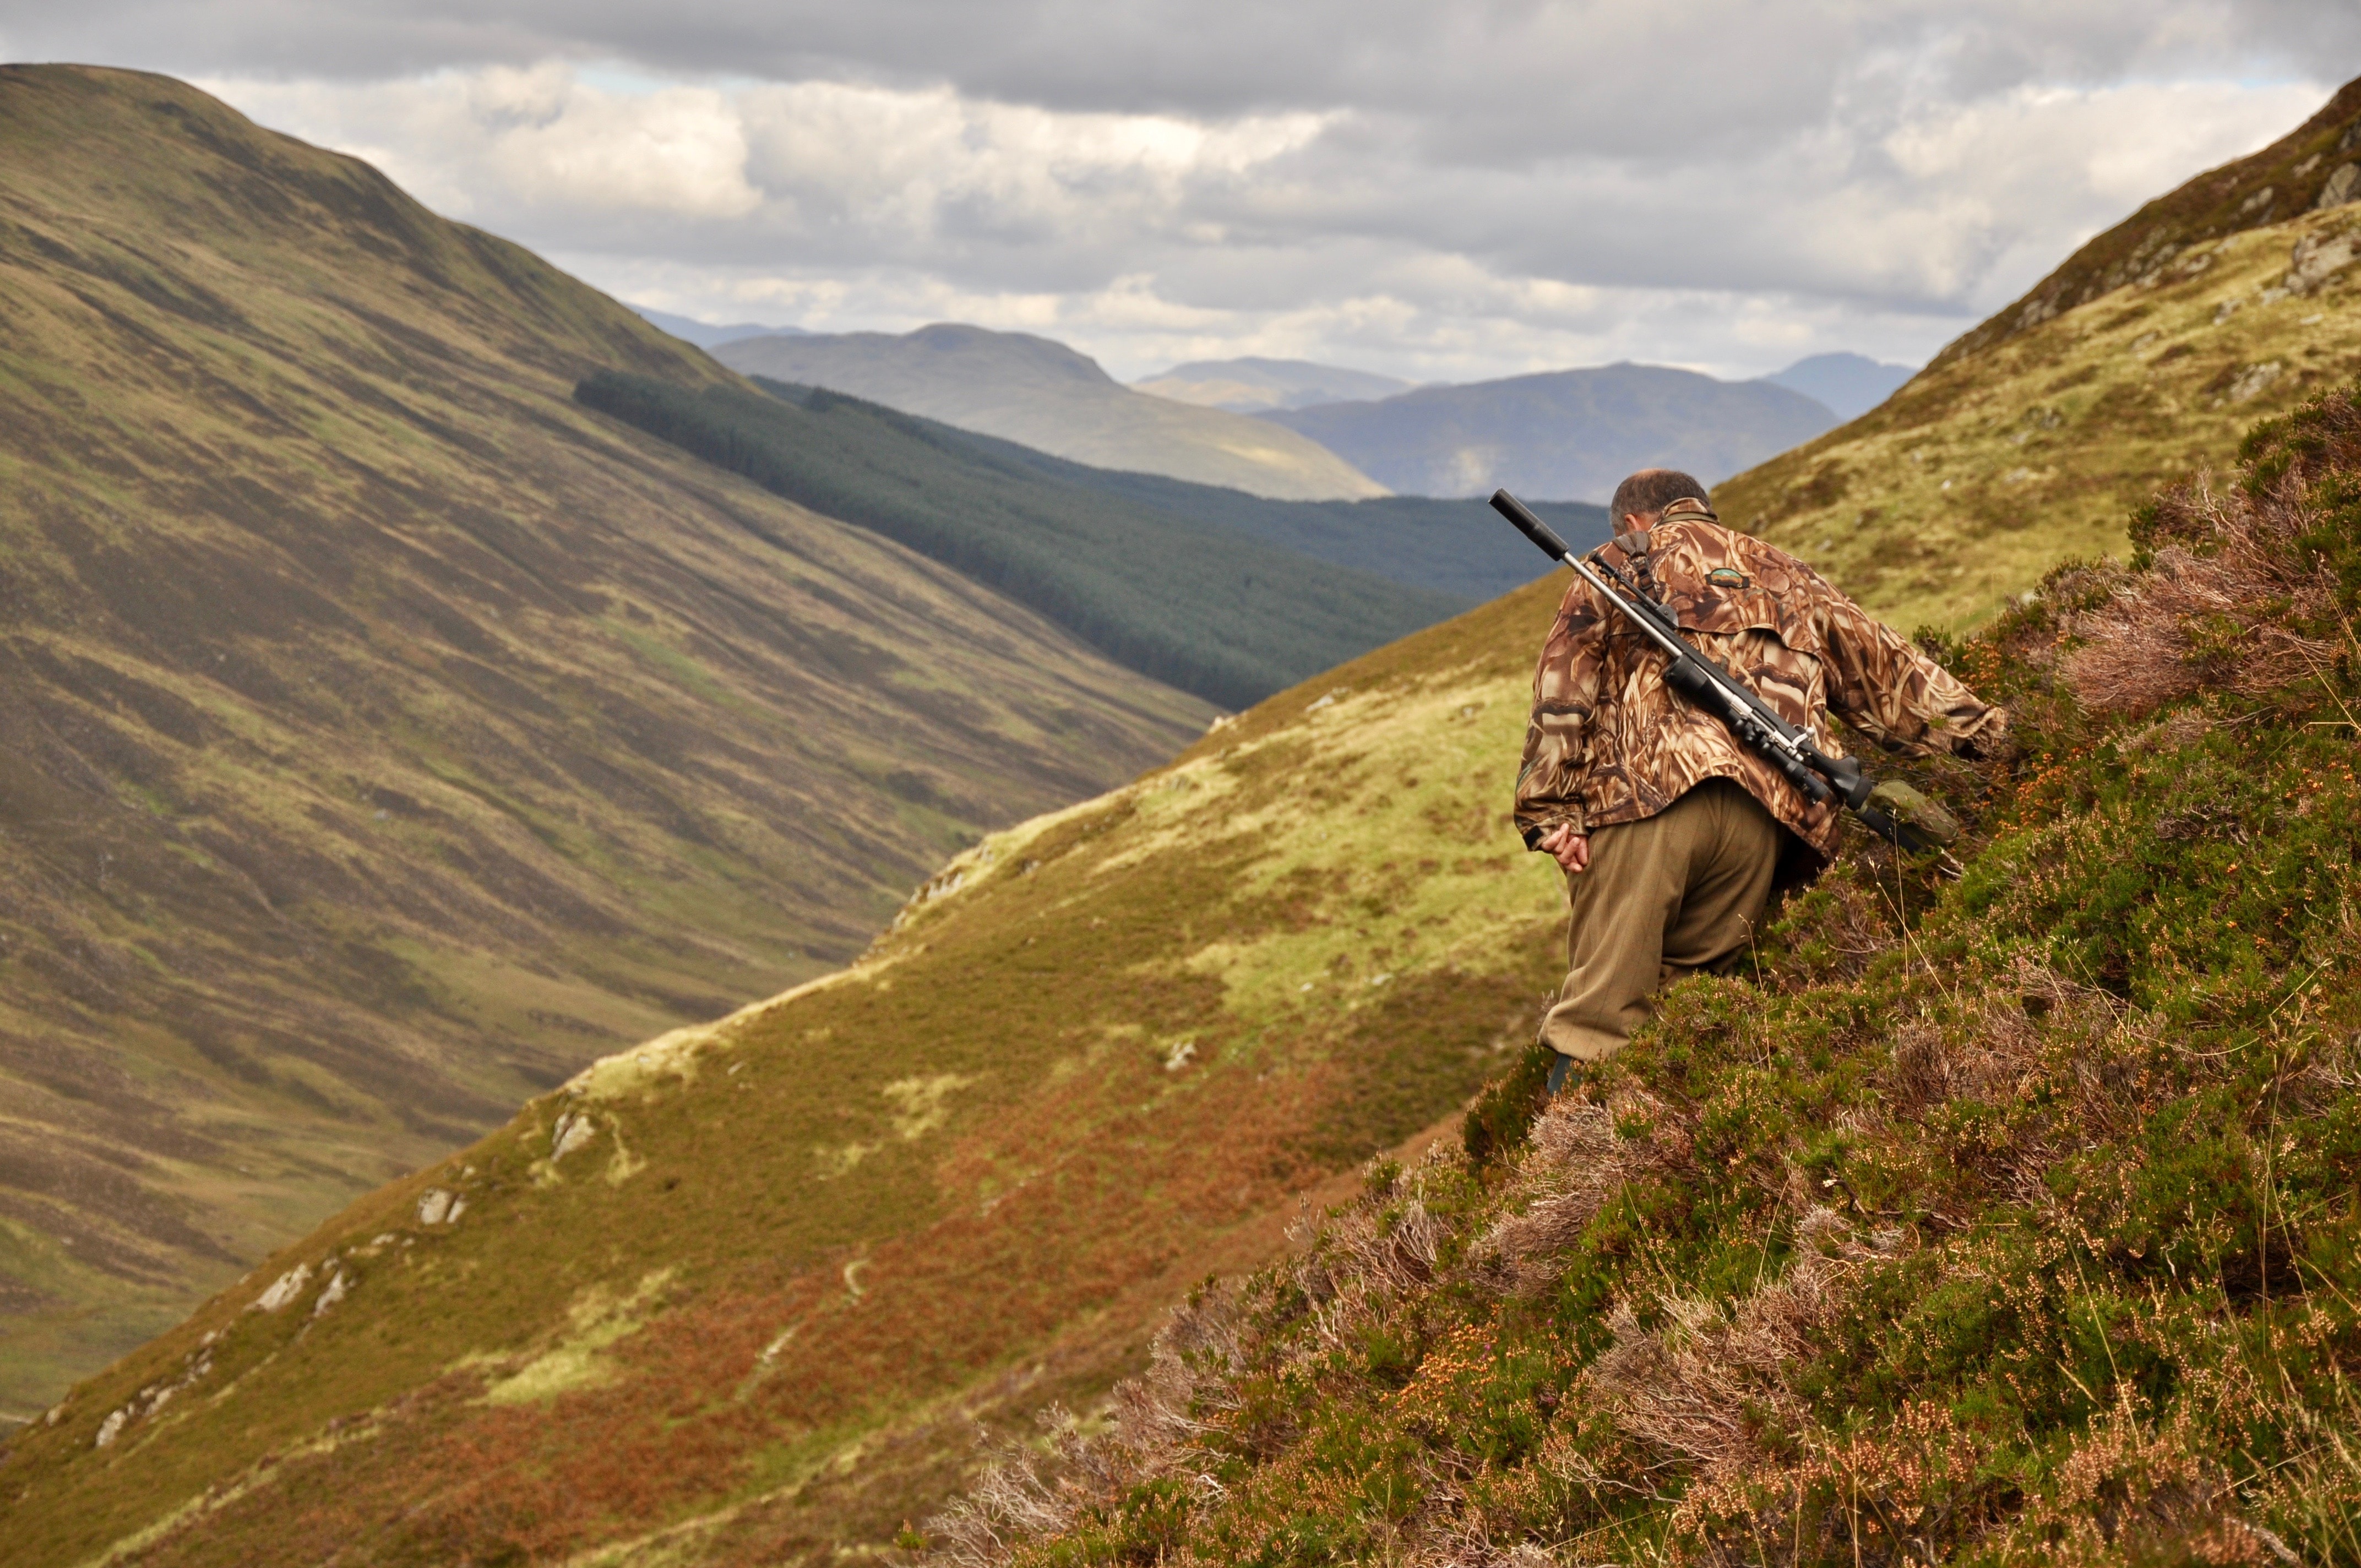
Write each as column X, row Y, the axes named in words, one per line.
column 1641, row 499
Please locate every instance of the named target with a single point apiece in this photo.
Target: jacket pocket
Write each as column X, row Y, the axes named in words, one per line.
column 1729, row 611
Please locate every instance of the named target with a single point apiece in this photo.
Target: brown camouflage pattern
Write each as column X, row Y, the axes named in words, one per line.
column 1609, row 743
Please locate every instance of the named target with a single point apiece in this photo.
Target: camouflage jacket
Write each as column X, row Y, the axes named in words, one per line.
column 1609, row 743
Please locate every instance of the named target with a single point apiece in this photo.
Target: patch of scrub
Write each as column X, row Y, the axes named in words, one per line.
column 595, row 1319
column 922, row 1104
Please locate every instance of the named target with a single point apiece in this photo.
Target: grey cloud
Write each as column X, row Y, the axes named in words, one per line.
column 1472, row 165
column 1642, row 70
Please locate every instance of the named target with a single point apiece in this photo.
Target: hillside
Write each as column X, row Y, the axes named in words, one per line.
column 749, row 1309
column 2010, row 1220
column 2030, row 440
column 1454, row 547
column 1251, row 384
column 1046, row 395
column 2315, row 167
column 385, row 735
column 1208, row 609
column 737, row 1295
column 1566, row 434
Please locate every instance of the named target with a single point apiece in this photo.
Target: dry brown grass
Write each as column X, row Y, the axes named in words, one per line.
column 2219, row 608
column 1577, row 1162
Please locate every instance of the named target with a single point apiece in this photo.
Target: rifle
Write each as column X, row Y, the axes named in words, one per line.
column 1815, row 775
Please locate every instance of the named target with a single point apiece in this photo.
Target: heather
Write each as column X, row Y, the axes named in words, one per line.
column 2004, row 1218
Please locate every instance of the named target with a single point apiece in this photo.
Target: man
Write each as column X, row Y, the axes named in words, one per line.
column 1670, row 832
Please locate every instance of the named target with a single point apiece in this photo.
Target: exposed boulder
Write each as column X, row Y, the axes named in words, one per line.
column 283, row 1289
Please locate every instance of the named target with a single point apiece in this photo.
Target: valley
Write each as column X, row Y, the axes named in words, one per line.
column 386, row 735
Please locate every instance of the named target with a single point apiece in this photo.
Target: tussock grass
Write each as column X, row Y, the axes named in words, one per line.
column 2003, row 1220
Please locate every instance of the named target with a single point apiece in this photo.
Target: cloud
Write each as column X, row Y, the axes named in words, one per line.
column 1431, row 189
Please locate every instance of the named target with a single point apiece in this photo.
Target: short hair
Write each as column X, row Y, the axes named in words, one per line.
column 1650, row 492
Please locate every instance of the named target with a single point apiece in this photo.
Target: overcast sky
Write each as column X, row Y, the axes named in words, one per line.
column 1441, row 191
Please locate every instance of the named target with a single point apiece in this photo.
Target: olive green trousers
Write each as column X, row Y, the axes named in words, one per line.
column 1663, row 897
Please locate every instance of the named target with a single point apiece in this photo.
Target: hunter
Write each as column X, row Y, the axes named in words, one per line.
column 1671, row 835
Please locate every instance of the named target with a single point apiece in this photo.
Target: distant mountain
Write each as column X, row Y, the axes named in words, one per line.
column 1565, row 434
column 1201, row 605
column 383, row 734
column 1849, row 384
column 704, row 334
column 1252, row 385
column 1043, row 394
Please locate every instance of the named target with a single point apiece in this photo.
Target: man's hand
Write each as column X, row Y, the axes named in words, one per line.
column 1571, row 850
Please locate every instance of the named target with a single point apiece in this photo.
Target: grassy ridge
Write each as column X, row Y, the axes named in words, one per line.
column 2016, row 1219
column 2264, row 187
column 1206, row 609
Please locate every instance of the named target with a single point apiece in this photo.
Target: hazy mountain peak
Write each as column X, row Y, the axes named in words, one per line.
column 1562, row 435
column 1251, row 384
column 1849, row 384
column 708, row 335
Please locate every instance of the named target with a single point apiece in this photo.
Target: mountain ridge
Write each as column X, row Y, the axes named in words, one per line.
column 1043, row 394
column 1252, row 383
column 1562, row 435
column 2314, row 167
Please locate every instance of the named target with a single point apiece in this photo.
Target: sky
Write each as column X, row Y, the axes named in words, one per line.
column 1435, row 191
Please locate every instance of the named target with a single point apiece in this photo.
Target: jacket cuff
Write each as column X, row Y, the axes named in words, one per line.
column 1988, row 739
column 1541, row 828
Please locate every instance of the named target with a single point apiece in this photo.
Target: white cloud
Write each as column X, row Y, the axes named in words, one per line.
column 1434, row 191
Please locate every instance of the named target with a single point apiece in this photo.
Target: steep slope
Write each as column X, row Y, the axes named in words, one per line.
column 1567, row 435
column 1847, row 385
column 1210, row 610
column 2030, row 440
column 2017, row 1220
column 1043, row 394
column 734, row 1297
column 1251, row 384
column 382, row 735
